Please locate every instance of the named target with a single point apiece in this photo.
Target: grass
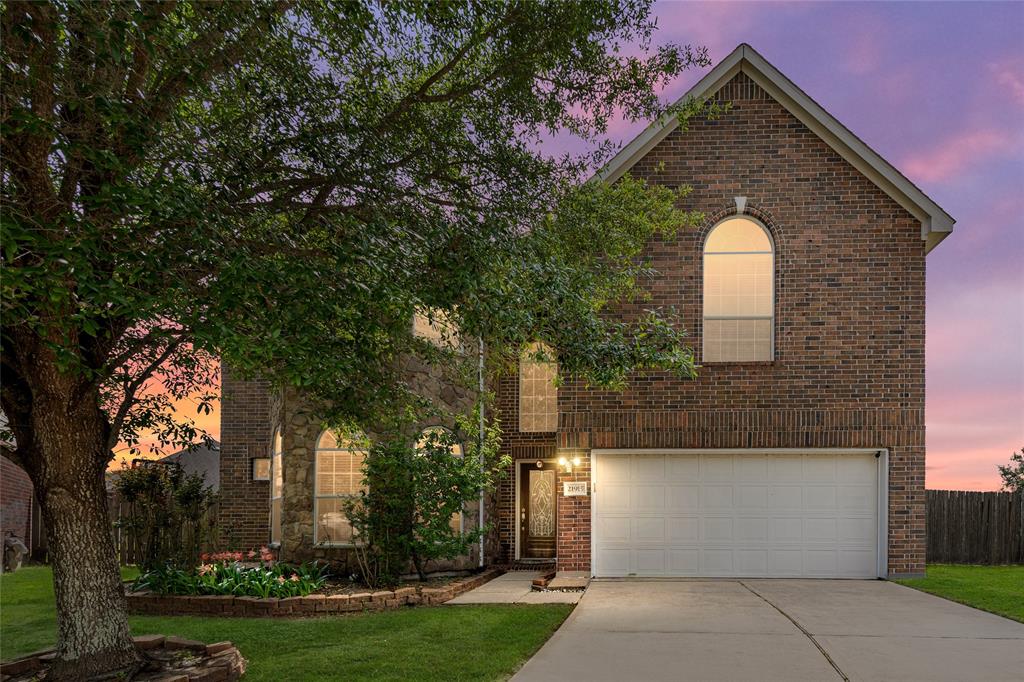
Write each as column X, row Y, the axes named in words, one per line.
column 439, row 643
column 997, row 589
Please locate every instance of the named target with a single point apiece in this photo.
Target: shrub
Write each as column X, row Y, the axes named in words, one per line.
column 168, row 514
column 411, row 493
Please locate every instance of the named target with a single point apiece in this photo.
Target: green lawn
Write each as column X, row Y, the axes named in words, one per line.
column 439, row 643
column 999, row 589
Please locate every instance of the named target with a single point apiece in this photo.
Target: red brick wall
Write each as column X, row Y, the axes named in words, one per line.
column 15, row 502
column 245, row 432
column 849, row 336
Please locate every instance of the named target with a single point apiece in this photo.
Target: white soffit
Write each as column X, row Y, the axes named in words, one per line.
column 936, row 224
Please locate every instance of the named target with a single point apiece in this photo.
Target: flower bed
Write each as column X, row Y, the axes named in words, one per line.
column 151, row 603
column 227, row 575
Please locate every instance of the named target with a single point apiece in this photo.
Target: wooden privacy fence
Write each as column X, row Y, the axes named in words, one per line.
column 129, row 546
column 975, row 528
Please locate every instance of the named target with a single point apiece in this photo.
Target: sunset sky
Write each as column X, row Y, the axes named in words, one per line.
column 938, row 90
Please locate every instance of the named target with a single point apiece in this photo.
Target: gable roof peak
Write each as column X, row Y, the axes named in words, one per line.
column 936, row 224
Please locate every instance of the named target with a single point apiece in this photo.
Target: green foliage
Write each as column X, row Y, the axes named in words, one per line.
column 1013, row 473
column 263, row 580
column 168, row 514
column 182, row 177
column 404, row 516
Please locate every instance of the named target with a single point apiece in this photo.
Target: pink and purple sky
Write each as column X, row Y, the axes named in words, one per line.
column 938, row 90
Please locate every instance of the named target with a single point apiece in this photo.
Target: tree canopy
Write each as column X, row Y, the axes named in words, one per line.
column 281, row 185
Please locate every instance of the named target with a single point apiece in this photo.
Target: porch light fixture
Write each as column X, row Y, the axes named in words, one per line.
column 568, row 464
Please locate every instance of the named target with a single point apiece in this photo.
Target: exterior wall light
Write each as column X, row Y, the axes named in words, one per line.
column 568, row 464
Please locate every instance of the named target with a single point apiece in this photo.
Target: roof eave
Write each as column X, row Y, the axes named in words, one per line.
column 936, row 224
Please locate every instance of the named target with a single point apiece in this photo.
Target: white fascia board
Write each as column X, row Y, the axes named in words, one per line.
column 936, row 224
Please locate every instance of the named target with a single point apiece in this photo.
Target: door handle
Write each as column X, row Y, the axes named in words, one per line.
column 522, row 516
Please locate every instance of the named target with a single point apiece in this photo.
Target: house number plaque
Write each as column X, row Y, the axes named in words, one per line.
column 574, row 488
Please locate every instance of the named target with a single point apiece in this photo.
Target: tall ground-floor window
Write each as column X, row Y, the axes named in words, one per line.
column 276, row 488
column 338, row 476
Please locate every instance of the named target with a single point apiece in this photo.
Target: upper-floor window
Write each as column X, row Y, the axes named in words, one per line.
column 435, row 326
column 538, row 393
column 338, row 476
column 441, row 435
column 276, row 487
column 739, row 297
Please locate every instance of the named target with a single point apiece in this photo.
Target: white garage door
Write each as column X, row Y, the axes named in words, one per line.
column 749, row 515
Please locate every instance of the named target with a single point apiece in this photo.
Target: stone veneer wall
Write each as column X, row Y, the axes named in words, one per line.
column 849, row 358
column 251, row 412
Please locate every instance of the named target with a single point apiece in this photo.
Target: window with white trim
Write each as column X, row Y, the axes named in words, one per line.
column 739, row 295
column 276, row 488
column 538, row 393
column 442, row 433
column 338, row 476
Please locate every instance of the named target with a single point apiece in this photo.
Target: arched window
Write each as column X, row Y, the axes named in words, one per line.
column 739, row 297
column 338, row 476
column 276, row 487
column 444, row 435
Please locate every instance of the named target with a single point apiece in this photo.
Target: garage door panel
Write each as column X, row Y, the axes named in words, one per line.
column 735, row 515
column 751, row 469
column 683, row 468
column 649, row 469
column 650, row 529
column 682, row 497
column 785, row 468
column 613, row 498
column 648, row 498
column 718, row 529
column 718, row 496
column 752, row 530
column 683, row 529
column 752, row 497
column 821, row 497
column 786, row 497
column 820, row 469
column 717, row 468
column 614, row 529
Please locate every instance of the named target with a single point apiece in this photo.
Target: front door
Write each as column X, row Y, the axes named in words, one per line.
column 537, row 518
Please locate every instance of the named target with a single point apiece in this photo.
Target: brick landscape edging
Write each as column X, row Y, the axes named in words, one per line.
column 150, row 603
column 219, row 662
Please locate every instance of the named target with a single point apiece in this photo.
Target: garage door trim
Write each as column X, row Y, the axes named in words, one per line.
column 882, row 497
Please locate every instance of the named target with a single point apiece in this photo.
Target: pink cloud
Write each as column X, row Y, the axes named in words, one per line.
column 1009, row 75
column 959, row 153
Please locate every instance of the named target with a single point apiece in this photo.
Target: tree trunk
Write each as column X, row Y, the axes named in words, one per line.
column 68, row 473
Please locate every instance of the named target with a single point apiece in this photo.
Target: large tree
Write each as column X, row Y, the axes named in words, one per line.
column 281, row 185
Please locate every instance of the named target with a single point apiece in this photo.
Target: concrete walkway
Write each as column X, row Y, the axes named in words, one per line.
column 514, row 587
column 776, row 630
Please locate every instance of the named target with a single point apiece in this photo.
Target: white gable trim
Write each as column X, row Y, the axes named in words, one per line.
column 936, row 224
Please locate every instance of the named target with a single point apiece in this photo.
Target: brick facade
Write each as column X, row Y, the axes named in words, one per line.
column 849, row 335
column 246, row 427
column 15, row 502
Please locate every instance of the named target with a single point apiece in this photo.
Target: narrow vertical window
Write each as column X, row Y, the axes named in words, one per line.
column 538, row 394
column 338, row 476
column 739, row 276
column 276, row 488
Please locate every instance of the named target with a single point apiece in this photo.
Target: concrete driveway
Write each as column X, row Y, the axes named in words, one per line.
column 776, row 630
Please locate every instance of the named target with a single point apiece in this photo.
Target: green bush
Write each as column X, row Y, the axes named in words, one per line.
column 411, row 493
column 239, row 580
column 168, row 514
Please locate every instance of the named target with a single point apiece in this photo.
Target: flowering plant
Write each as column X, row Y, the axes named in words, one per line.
column 263, row 555
column 225, row 576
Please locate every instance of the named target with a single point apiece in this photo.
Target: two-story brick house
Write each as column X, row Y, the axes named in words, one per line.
column 799, row 449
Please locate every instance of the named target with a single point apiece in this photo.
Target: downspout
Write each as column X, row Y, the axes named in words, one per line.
column 480, row 407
